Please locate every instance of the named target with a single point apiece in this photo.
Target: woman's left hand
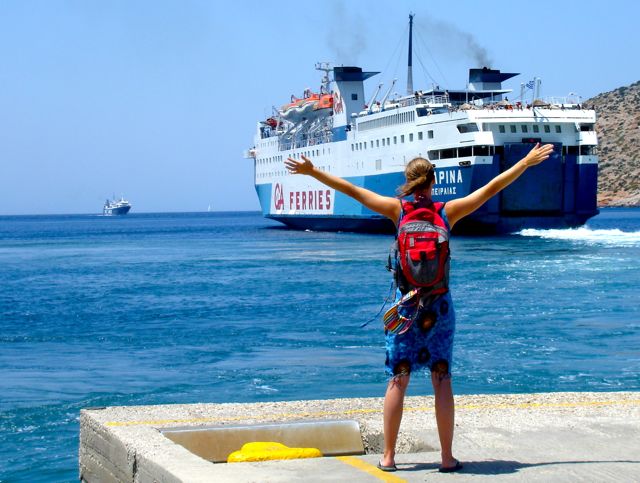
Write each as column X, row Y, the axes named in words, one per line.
column 299, row 167
column 538, row 154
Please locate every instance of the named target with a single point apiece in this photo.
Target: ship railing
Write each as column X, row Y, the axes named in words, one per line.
column 286, row 145
column 419, row 98
column 267, row 132
column 568, row 102
column 547, row 103
column 430, row 101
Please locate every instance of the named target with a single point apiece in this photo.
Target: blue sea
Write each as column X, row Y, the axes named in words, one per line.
column 230, row 307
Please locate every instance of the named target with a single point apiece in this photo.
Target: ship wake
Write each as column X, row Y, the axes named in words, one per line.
column 614, row 236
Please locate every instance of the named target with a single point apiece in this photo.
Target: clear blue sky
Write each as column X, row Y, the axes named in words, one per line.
column 157, row 99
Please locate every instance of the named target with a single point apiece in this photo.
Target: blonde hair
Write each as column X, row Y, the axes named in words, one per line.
column 419, row 175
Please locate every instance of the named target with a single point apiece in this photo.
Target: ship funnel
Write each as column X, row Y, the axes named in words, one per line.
column 487, row 79
column 349, row 98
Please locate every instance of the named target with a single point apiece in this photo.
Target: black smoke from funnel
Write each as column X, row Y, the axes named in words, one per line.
column 447, row 39
column 347, row 37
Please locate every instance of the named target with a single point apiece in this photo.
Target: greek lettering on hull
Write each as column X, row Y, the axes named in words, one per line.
column 448, row 176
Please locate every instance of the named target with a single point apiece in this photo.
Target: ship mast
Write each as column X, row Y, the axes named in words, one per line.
column 410, row 61
column 326, row 68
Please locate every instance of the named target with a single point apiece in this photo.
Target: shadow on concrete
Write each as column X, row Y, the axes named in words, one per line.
column 499, row 467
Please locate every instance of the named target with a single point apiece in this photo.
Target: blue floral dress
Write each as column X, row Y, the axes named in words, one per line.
column 417, row 348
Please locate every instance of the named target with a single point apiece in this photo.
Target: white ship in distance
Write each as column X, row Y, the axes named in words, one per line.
column 116, row 207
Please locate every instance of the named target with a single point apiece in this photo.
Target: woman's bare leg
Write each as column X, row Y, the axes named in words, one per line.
column 393, row 404
column 445, row 415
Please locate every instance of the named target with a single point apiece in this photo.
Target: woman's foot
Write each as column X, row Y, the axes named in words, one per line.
column 387, row 460
column 387, row 468
column 451, row 467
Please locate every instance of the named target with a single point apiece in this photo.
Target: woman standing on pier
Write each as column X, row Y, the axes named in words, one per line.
column 424, row 345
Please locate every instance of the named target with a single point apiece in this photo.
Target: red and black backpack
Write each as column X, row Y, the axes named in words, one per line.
column 421, row 249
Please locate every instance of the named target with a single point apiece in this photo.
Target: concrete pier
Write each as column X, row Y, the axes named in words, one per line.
column 516, row 437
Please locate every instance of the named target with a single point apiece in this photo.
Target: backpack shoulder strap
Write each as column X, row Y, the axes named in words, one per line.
column 439, row 208
column 404, row 204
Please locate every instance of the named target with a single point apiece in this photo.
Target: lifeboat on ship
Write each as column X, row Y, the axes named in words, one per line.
column 324, row 102
column 310, row 107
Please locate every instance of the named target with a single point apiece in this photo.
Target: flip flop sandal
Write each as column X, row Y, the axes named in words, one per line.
column 451, row 469
column 388, row 469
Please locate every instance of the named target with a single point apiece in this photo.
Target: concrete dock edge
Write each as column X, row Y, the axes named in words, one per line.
column 519, row 437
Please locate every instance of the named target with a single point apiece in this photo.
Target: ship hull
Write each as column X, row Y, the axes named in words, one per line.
column 559, row 193
column 117, row 211
column 473, row 225
column 336, row 223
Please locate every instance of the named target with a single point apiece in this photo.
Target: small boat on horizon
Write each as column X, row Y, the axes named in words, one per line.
column 116, row 207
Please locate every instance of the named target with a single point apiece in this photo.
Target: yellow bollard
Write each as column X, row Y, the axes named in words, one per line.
column 265, row 451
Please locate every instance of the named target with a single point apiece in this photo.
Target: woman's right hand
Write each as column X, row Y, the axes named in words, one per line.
column 299, row 167
column 538, row 154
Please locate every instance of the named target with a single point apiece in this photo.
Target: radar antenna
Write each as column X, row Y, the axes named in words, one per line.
column 326, row 68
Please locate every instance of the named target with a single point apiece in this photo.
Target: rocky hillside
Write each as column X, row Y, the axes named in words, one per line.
column 618, row 128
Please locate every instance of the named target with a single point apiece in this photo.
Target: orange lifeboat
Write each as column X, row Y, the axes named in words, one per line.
column 325, row 102
column 309, row 107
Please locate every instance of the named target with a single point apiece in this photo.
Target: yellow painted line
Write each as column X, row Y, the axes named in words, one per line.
column 244, row 418
column 530, row 405
column 533, row 405
column 372, row 470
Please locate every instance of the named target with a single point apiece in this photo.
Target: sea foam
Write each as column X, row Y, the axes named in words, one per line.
column 614, row 236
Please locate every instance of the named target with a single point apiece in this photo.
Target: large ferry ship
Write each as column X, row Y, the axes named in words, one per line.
column 470, row 135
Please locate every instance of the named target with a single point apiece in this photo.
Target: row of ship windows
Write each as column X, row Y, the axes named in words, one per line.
column 462, row 128
column 584, row 150
column 467, row 127
column 398, row 118
column 436, row 154
column 266, row 144
column 467, row 151
column 524, row 128
column 269, row 174
column 360, row 146
column 473, row 127
column 584, row 127
column 314, row 153
column 272, row 159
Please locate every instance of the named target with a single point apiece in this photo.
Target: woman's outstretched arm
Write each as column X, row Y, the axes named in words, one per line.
column 461, row 207
column 385, row 205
